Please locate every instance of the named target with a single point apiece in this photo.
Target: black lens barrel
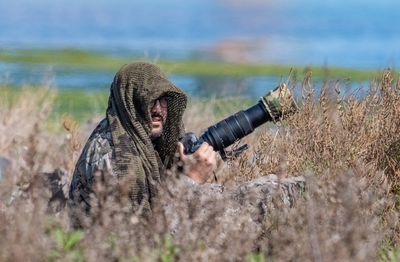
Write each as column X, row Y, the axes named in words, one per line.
column 233, row 128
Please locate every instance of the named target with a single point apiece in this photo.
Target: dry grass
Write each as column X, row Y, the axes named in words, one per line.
column 340, row 143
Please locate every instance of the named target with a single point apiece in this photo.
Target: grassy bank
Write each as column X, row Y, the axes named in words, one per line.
column 80, row 105
column 99, row 61
column 83, row 105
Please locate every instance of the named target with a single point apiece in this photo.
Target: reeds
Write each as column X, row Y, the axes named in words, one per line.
column 342, row 143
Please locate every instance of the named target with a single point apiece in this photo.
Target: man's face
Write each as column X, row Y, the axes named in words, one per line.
column 158, row 113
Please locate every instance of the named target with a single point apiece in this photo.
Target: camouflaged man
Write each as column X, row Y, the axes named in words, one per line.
column 138, row 138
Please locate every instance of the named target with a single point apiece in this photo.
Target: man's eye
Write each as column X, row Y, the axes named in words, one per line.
column 163, row 101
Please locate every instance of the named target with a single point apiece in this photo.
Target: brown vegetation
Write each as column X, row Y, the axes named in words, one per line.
column 340, row 143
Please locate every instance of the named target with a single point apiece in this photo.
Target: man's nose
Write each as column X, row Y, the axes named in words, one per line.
column 156, row 107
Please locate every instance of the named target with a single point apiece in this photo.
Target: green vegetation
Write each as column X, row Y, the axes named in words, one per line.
column 255, row 257
column 65, row 57
column 169, row 252
column 389, row 253
column 83, row 106
column 79, row 104
column 67, row 245
column 98, row 61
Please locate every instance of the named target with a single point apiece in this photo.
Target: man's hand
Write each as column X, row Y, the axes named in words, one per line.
column 200, row 165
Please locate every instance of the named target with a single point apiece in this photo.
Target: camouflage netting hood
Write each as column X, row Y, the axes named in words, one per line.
column 134, row 89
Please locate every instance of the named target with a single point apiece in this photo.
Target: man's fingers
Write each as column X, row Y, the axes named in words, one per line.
column 212, row 158
column 203, row 148
column 210, row 150
column 201, row 163
column 206, row 154
column 181, row 148
column 203, row 151
column 199, row 153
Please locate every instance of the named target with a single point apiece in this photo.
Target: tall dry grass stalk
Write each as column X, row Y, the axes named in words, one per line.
column 333, row 131
column 339, row 143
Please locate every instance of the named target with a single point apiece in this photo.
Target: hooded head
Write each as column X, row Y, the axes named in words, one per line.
column 134, row 91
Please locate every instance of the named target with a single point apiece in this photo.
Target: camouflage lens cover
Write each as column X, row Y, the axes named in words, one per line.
column 279, row 102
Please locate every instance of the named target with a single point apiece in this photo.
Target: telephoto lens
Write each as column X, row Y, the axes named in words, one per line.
column 273, row 106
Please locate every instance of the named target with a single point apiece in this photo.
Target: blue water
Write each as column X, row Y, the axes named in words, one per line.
column 359, row 34
column 97, row 80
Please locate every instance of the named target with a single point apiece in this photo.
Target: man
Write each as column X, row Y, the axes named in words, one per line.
column 138, row 138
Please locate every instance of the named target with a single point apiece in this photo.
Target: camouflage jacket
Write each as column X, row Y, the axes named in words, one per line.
column 100, row 155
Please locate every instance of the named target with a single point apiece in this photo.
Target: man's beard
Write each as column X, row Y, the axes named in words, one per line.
column 157, row 132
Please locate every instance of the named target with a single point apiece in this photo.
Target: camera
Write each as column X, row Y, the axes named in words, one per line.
column 273, row 106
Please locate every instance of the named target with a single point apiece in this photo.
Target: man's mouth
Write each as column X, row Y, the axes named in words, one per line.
column 156, row 118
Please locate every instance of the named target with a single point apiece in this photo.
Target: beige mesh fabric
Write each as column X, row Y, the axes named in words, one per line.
column 133, row 91
column 279, row 102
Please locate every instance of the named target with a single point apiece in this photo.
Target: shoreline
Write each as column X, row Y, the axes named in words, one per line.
column 89, row 60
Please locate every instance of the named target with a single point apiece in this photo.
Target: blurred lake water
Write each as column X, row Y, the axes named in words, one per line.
column 357, row 34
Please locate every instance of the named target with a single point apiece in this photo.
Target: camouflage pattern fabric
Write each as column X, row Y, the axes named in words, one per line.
column 97, row 155
column 279, row 102
column 121, row 143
